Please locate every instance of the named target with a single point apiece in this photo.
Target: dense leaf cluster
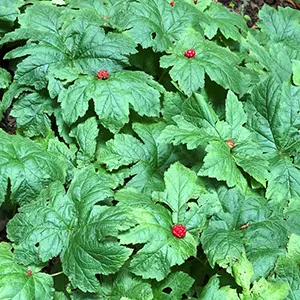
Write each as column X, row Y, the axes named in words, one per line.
column 121, row 135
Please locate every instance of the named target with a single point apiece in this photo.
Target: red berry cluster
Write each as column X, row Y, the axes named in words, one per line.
column 179, row 231
column 102, row 74
column 172, row 3
column 190, row 53
column 230, row 144
column 29, row 272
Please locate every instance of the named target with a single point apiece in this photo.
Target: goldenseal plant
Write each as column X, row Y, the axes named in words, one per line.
column 156, row 153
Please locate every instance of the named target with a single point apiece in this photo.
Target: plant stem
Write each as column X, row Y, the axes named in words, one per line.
column 56, row 274
column 162, row 75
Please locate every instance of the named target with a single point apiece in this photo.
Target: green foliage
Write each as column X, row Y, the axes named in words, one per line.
column 154, row 223
column 168, row 177
column 218, row 62
column 27, row 167
column 25, row 286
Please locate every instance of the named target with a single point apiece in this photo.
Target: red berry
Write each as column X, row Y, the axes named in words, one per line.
column 190, row 53
column 105, row 17
column 179, row 231
column 102, row 74
column 29, row 272
column 172, row 3
column 195, row 1
column 230, row 144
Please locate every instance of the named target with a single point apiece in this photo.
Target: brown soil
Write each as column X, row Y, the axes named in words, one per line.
column 8, row 123
column 251, row 8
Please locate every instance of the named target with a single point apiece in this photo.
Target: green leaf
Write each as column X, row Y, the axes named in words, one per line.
column 218, row 17
column 98, row 50
column 182, row 185
column 156, row 24
column 241, row 218
column 212, row 291
column 221, row 244
column 291, row 213
column 127, row 285
column 123, row 285
column 178, row 282
column 3, row 189
column 40, row 21
column 219, row 63
column 172, row 105
column 288, row 32
column 54, row 145
column 219, row 164
column 123, row 150
column 235, row 115
column 185, row 133
column 248, row 151
column 9, row 11
column 196, row 127
column 287, row 268
column 222, row 163
column 150, row 158
column 16, row 284
column 60, row 295
column 275, row 58
column 74, row 220
column 112, row 98
column 45, row 240
column 5, row 78
column 199, row 112
column 201, row 5
column 273, row 117
column 14, row 91
column 75, row 100
column 112, row 13
column 283, row 181
column 288, row 271
column 268, row 290
column 42, row 16
column 264, row 242
column 31, row 112
column 203, row 127
column 64, row 44
column 294, row 247
column 162, row 250
column 296, row 72
column 243, row 272
column 86, row 134
column 28, row 166
column 104, row 257
column 88, row 188
column 241, row 207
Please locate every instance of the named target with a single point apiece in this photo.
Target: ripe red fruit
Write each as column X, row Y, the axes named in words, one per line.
column 230, row 144
column 102, row 74
column 190, row 53
column 172, row 3
column 29, row 272
column 179, row 231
